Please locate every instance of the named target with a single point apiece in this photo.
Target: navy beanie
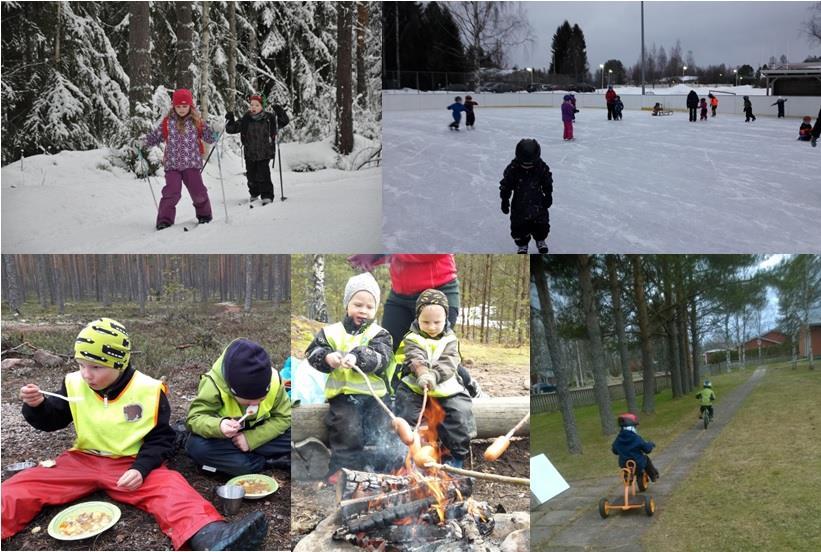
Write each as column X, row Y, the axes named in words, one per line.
column 247, row 370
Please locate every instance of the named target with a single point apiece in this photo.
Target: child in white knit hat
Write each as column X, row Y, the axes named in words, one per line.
column 354, row 418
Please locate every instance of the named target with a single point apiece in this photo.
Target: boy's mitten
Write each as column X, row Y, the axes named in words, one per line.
column 427, row 380
column 506, row 206
column 229, row 117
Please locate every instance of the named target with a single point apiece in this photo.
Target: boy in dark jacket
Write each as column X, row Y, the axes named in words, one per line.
column 629, row 445
column 780, row 103
column 618, row 107
column 258, row 132
column 470, row 116
column 529, row 180
column 457, row 107
column 748, row 109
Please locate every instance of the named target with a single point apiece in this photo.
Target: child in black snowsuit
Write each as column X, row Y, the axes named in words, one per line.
column 748, row 109
column 529, row 180
column 805, row 130
column 258, row 132
column 780, row 103
column 618, row 107
column 703, row 107
column 470, row 116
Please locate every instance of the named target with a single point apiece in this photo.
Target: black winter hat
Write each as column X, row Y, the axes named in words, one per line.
column 247, row 369
column 528, row 150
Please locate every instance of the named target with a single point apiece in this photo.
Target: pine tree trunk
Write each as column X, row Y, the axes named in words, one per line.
column 205, row 62
column 560, row 368
column 344, row 76
column 139, row 64
column 249, row 282
column 591, row 316
column 57, row 271
column 141, row 285
column 42, row 280
column 361, row 50
column 672, row 330
column 317, row 308
column 649, row 372
column 232, row 56
column 12, row 280
column 185, row 45
column 694, row 344
column 618, row 320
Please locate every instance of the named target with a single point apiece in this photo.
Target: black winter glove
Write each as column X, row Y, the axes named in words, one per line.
column 506, row 206
column 229, row 117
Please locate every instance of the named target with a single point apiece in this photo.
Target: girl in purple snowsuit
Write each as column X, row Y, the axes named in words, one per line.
column 567, row 117
column 183, row 130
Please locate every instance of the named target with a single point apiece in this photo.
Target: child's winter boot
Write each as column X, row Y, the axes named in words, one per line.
column 247, row 533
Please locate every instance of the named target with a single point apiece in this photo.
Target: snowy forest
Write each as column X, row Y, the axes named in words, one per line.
column 660, row 314
column 85, row 75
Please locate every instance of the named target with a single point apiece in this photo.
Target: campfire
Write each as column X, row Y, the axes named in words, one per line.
column 418, row 508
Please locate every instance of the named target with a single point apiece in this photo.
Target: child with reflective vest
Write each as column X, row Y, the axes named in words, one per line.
column 183, row 130
column 629, row 445
column 354, row 417
column 258, row 132
column 121, row 420
column 240, row 385
column 428, row 358
column 707, row 396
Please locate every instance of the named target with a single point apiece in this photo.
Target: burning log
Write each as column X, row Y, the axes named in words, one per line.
column 494, row 417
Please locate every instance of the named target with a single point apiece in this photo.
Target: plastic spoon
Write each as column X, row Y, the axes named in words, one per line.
column 248, row 411
column 59, row 396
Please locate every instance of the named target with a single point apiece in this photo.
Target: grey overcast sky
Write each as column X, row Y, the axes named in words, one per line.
column 734, row 33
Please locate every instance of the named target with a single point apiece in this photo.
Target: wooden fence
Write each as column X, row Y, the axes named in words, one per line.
column 549, row 402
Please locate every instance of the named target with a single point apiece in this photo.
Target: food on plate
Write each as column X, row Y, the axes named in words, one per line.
column 83, row 523
column 254, row 486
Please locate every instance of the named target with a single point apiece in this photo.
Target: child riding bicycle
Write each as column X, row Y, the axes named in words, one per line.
column 707, row 397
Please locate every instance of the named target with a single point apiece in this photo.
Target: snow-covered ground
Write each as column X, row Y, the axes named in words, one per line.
column 77, row 202
column 644, row 184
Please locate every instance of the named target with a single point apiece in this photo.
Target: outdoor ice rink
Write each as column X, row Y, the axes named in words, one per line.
column 644, row 184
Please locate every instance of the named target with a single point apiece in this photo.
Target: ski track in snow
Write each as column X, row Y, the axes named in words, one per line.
column 641, row 185
column 65, row 204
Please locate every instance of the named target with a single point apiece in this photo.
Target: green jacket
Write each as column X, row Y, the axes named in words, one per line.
column 209, row 408
column 707, row 396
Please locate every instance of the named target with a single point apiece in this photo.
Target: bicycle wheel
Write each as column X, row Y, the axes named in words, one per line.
column 706, row 417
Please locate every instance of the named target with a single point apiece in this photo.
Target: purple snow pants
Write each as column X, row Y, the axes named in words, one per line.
column 171, row 194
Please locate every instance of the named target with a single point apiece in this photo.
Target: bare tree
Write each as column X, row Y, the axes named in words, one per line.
column 621, row 338
column 185, row 45
column 344, row 78
column 560, row 368
column 490, row 28
column 813, row 26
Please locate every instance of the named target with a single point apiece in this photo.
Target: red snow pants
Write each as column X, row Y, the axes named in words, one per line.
column 568, row 130
column 179, row 510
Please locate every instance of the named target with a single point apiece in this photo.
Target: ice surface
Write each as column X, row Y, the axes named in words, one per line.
column 641, row 185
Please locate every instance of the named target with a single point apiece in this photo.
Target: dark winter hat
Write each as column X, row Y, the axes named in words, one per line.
column 182, row 96
column 256, row 97
column 458, row 98
column 247, row 370
column 468, row 97
column 566, row 97
column 528, row 150
column 431, row 297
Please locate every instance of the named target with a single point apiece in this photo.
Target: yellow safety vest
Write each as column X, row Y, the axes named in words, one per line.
column 114, row 427
column 232, row 409
column 345, row 380
column 434, row 349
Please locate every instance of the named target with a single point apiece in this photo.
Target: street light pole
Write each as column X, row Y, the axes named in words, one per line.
column 736, row 76
column 530, row 70
column 642, row 48
column 601, row 69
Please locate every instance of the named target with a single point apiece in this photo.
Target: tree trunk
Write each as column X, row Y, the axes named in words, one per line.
column 205, row 62
column 618, row 320
column 57, row 35
column 232, row 56
column 694, row 339
column 41, row 279
column 361, row 70
column 57, row 271
column 185, row 45
column 344, row 76
column 672, row 330
column 139, row 61
column 141, row 285
column 649, row 372
column 317, row 308
column 591, row 316
column 253, row 50
column 12, row 282
column 560, row 368
column 249, row 281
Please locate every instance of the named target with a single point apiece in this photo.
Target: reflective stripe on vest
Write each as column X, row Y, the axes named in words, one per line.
column 434, row 349
column 115, row 427
column 344, row 380
column 231, row 408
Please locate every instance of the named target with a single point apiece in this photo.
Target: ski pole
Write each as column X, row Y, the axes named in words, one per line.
column 279, row 155
column 147, row 178
column 210, row 152
column 222, row 185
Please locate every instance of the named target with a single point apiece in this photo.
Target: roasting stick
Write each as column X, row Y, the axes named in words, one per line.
column 480, row 475
column 421, row 412
column 400, row 426
column 499, row 446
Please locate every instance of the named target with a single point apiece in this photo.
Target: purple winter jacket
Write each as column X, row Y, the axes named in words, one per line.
column 182, row 151
column 567, row 111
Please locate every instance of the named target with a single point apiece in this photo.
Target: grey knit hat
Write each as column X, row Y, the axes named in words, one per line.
column 360, row 282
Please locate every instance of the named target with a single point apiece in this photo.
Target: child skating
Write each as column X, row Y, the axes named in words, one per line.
column 780, row 103
column 618, row 108
column 427, row 359
column 457, row 107
column 528, row 179
column 183, row 130
column 470, row 114
column 567, row 118
column 121, row 419
column 258, row 133
column 241, row 378
column 748, row 109
column 805, row 130
column 703, row 107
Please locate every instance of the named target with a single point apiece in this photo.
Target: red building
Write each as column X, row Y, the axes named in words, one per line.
column 769, row 339
column 815, row 336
